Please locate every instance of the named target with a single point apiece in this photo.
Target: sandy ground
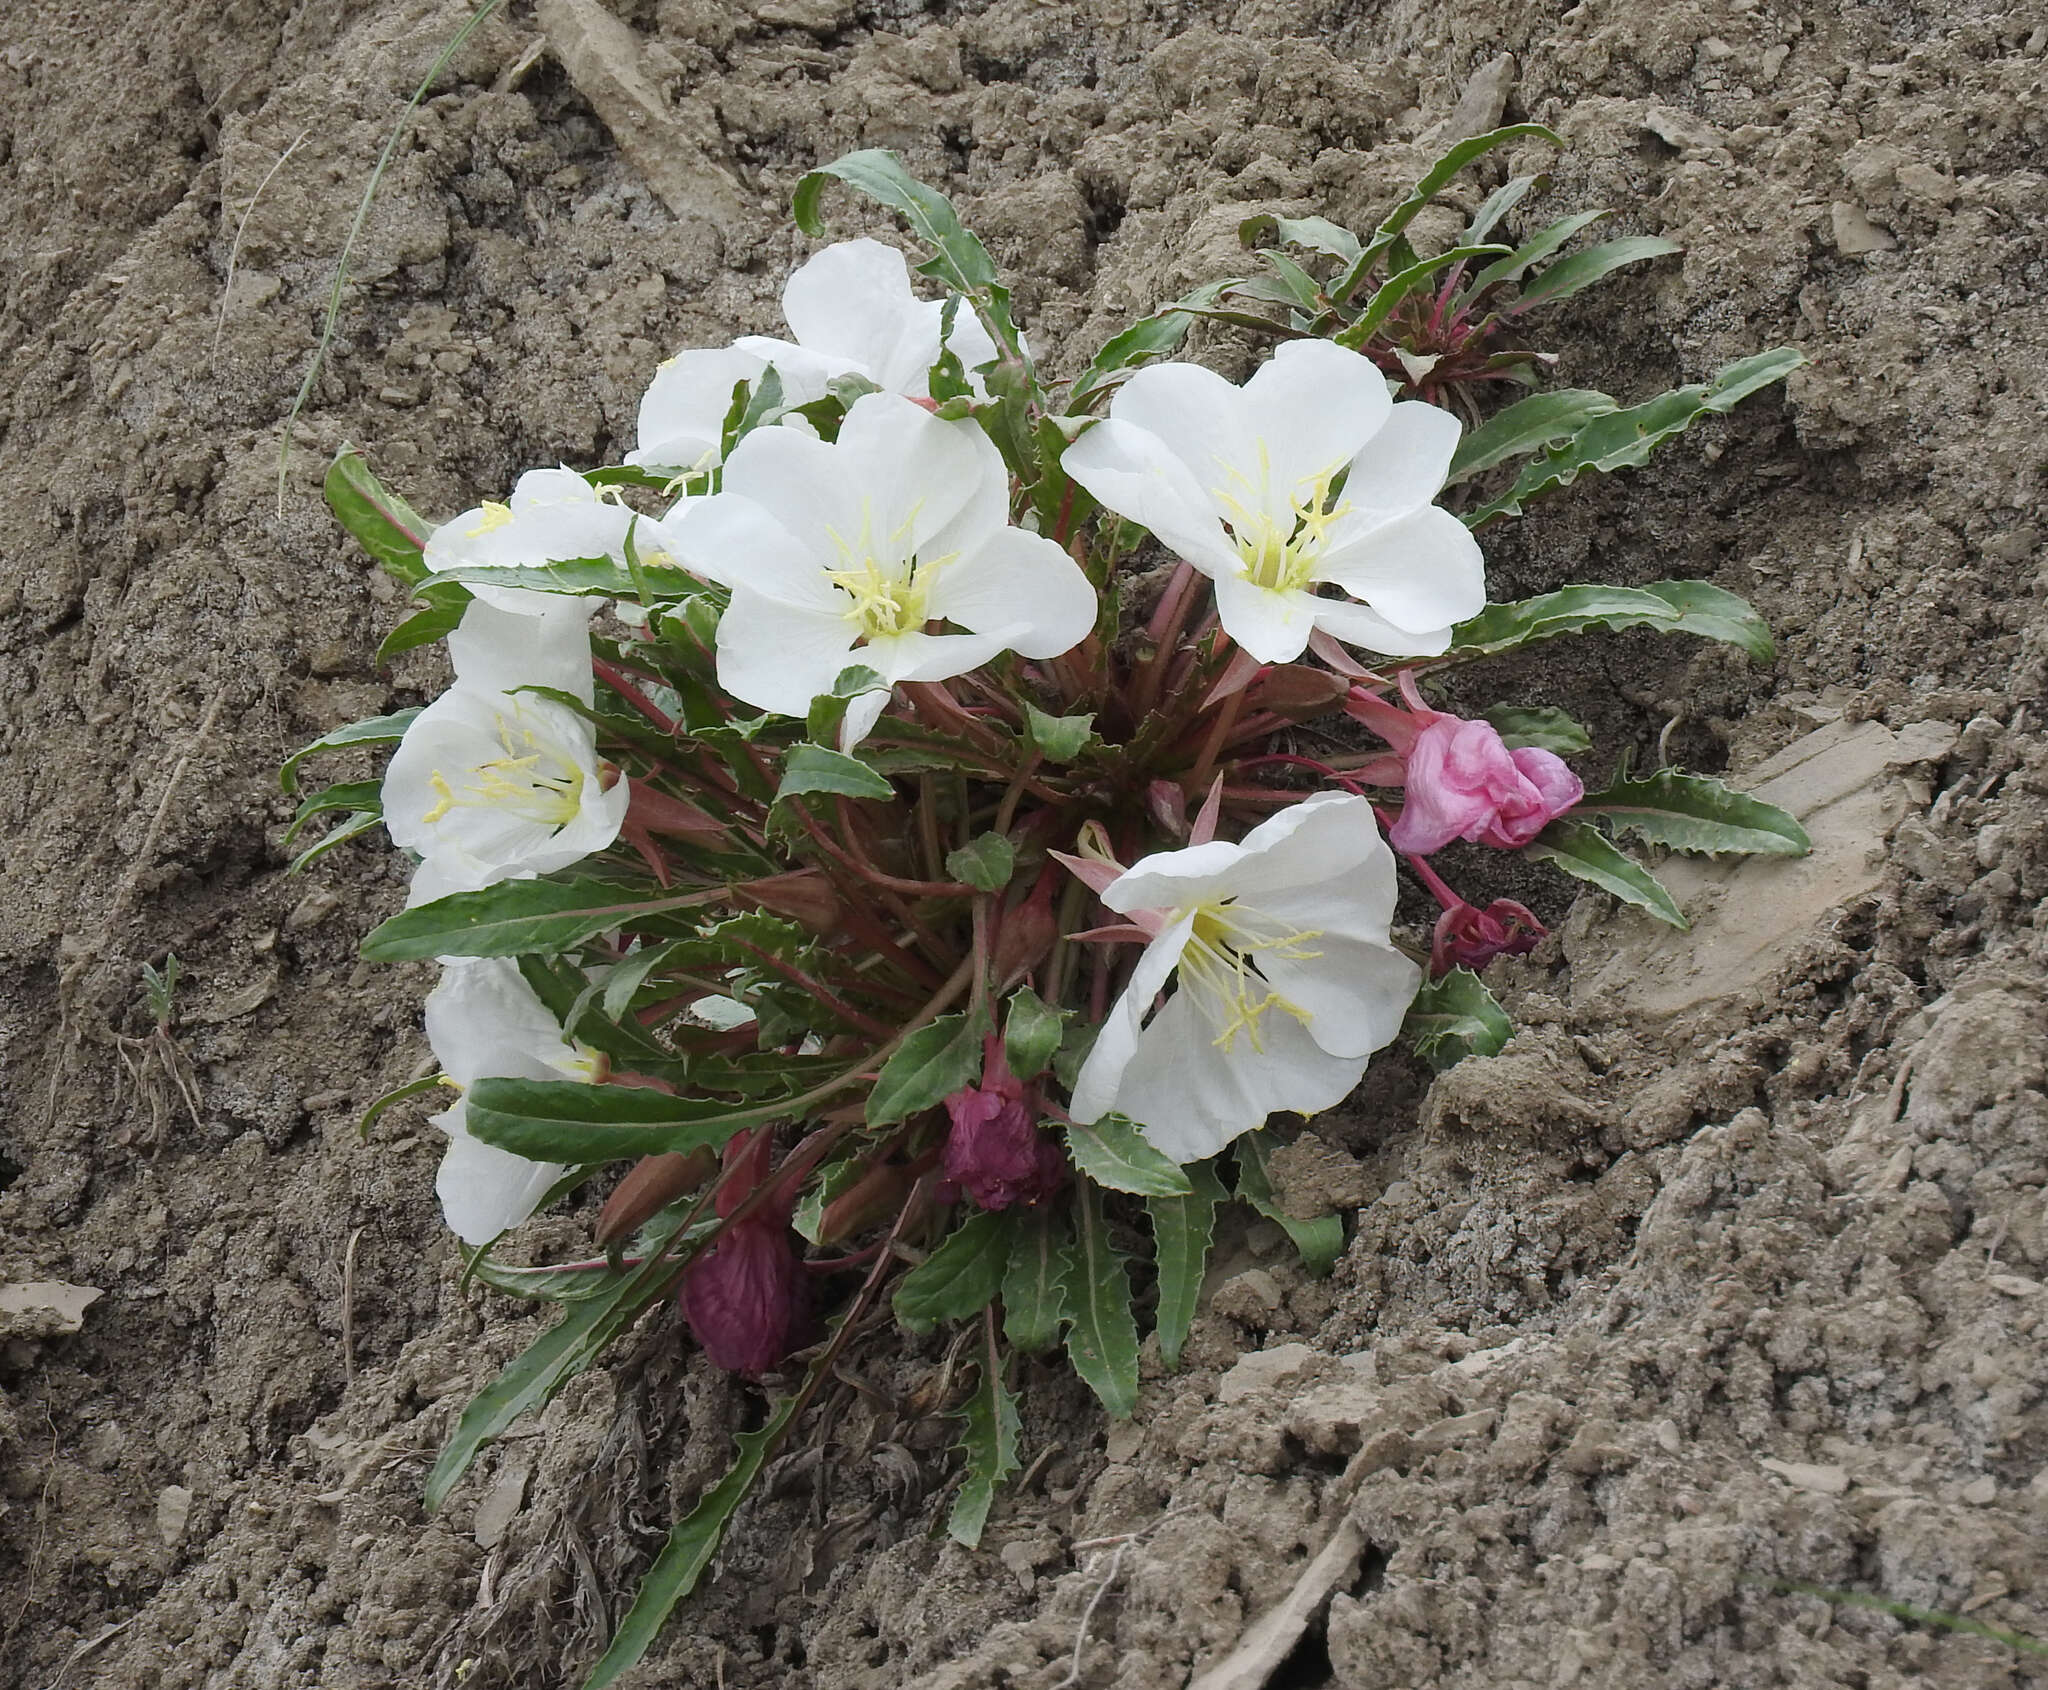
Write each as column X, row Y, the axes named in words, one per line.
column 1727, row 1273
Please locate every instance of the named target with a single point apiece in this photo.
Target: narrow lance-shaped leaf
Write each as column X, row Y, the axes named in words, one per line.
column 1117, row 1157
column 1695, row 813
column 383, row 524
column 1148, row 338
column 1454, row 1018
column 367, row 795
column 1318, row 234
column 373, row 730
column 1625, row 439
column 1399, row 286
column 989, row 1445
column 1034, row 1293
column 1582, row 269
column 1584, row 852
column 692, row 1542
column 517, row 916
column 958, row 1279
column 1674, row 607
column 1539, row 728
column 1102, row 1332
column 351, row 826
column 1534, row 250
column 1320, row 1241
column 441, row 618
column 584, row 576
column 1182, row 1228
column 565, row 1121
column 1498, row 204
column 1526, row 426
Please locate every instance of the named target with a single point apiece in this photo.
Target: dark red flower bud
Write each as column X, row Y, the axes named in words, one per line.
column 1467, row 937
column 654, row 1183
column 805, row 896
column 741, row 1297
column 995, row 1152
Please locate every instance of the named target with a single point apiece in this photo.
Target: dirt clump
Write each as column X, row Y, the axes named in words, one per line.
column 1639, row 1326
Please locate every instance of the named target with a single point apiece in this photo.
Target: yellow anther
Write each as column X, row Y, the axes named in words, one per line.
column 1220, row 966
column 533, row 780
column 493, row 517
column 1281, row 555
column 888, row 583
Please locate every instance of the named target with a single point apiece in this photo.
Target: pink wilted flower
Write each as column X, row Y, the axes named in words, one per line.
column 1462, row 781
column 742, row 1295
column 1469, row 937
column 995, row 1152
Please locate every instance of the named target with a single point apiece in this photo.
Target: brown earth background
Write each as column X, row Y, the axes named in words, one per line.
column 1712, row 1280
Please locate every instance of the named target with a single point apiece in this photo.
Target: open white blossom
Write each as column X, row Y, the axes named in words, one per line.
column 490, row 784
column 852, row 312
column 1306, row 477
column 553, row 516
column 843, row 554
column 485, row 1022
column 1284, row 980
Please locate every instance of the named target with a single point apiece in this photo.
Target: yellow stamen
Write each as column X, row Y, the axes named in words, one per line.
column 1280, row 558
column 493, row 517
column 533, row 780
column 888, row 583
column 1220, row 965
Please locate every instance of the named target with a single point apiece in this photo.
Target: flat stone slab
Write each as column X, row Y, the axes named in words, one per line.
column 1748, row 913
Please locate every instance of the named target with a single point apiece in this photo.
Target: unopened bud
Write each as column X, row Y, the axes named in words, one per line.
column 654, row 1183
column 1296, row 691
column 805, row 896
column 741, row 1297
column 877, row 1193
column 1025, row 938
column 654, row 811
column 1168, row 805
column 995, row 1152
column 1471, row 938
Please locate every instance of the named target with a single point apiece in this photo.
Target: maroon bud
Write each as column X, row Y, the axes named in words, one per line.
column 654, row 1183
column 805, row 896
column 741, row 1296
column 1026, row 936
column 995, row 1152
column 1467, row 937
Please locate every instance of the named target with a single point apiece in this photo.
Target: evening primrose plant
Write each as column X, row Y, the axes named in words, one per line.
column 934, row 825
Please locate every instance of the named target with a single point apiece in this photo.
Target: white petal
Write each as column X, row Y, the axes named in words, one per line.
column 544, row 643
column 1402, row 467
column 1328, row 835
column 804, row 484
column 1354, row 624
column 778, row 656
column 1200, row 419
column 928, row 657
column 1169, row 880
column 1422, row 572
column 486, row 1191
column 1138, row 476
column 928, row 486
column 1272, row 625
column 683, row 412
column 1356, row 995
column 1312, row 405
column 730, row 539
column 1018, row 578
column 1096, row 1086
column 485, row 1022
column 805, row 374
column 853, row 301
column 862, row 713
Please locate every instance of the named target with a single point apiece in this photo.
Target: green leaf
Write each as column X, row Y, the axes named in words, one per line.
column 1454, row 1018
column 819, row 1190
column 1625, row 439
column 932, row 1064
column 1582, row 269
column 1032, row 1030
column 383, row 524
column 1297, row 286
column 557, row 1356
column 1058, row 739
column 397, row 1094
column 373, row 730
column 692, row 1542
column 539, row 1284
column 989, row 1445
column 1182, row 1228
column 517, row 916
column 602, row 576
column 1534, row 250
column 569, row 1122
column 351, row 826
column 1672, row 607
column 828, row 709
column 424, row 627
column 814, row 768
column 1399, row 286
column 985, row 862
column 1695, row 813
column 958, row 1279
column 1526, row 426
column 1102, row 1332
column 1583, row 851
column 1318, row 234
column 1497, row 205
column 360, row 795
column 1115, row 1155
column 1034, row 1295
column 1539, row 728
column 1320, row 1241
column 1149, row 337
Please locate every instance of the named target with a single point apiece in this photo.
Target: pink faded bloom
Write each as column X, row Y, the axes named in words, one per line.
column 741, row 1297
column 1463, row 783
column 1469, row 937
column 995, row 1152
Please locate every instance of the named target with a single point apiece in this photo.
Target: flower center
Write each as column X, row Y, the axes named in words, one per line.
column 887, row 582
column 535, row 780
column 492, row 516
column 1220, row 966
column 1279, row 554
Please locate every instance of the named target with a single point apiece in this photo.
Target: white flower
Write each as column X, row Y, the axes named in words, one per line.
column 554, row 516
column 1306, row 476
column 841, row 554
column 485, row 1022
column 852, row 311
column 491, row 784
column 1286, row 981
